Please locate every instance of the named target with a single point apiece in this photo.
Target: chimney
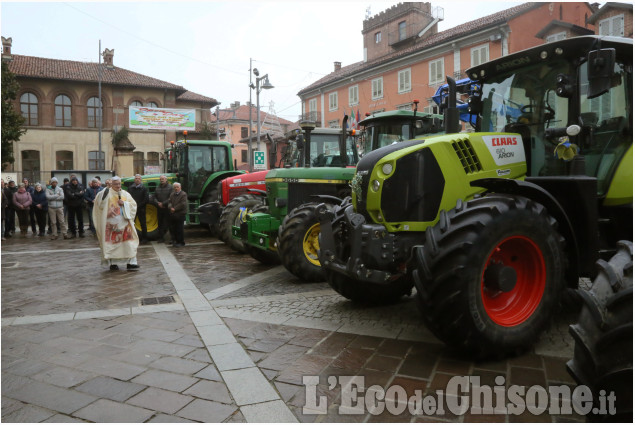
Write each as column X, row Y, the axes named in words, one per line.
column 6, row 48
column 108, row 55
column 235, row 105
column 338, row 66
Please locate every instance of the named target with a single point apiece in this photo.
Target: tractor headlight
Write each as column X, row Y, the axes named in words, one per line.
column 375, row 185
column 386, row 168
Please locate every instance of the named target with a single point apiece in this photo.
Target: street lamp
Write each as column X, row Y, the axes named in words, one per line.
column 259, row 87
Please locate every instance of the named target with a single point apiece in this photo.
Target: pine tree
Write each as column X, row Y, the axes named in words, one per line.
column 12, row 120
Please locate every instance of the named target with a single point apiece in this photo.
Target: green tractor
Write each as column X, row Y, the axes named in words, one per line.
column 491, row 226
column 289, row 231
column 199, row 165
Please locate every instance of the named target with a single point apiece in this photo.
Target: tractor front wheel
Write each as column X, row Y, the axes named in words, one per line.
column 231, row 216
column 299, row 243
column 490, row 273
column 152, row 223
column 267, row 257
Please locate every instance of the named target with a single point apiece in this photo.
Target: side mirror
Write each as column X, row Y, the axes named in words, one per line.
column 600, row 67
column 474, row 105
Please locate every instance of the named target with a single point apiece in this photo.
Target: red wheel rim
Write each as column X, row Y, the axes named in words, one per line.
column 516, row 306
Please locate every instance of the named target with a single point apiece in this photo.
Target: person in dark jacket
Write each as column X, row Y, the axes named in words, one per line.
column 160, row 199
column 9, row 226
column 141, row 196
column 89, row 197
column 74, row 197
column 40, row 207
column 30, row 189
column 5, row 204
column 178, row 209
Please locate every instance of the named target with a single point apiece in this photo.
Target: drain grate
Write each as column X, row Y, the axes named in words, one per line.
column 158, row 300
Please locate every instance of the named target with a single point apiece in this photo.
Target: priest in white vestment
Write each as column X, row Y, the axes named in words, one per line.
column 113, row 215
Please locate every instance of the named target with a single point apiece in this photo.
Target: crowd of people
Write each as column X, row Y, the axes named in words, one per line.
column 57, row 211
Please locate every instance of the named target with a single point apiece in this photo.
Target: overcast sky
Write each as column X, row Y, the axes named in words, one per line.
column 206, row 46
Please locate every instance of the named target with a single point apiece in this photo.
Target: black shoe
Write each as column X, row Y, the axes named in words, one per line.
column 81, row 235
column 41, row 234
column 178, row 244
column 114, row 267
column 134, row 267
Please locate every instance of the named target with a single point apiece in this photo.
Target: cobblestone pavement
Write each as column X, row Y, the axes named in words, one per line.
column 81, row 343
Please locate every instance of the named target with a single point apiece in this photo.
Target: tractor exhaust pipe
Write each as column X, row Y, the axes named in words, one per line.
column 451, row 113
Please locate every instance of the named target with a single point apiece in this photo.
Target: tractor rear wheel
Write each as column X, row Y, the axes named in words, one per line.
column 268, row 257
column 299, row 243
column 490, row 273
column 231, row 216
column 367, row 292
column 152, row 223
column 603, row 354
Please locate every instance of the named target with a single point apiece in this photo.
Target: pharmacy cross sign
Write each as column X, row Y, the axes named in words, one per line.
column 259, row 160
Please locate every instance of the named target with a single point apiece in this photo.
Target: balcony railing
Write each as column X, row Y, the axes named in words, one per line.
column 315, row 116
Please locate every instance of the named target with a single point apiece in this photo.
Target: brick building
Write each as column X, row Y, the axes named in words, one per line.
column 407, row 58
column 59, row 99
column 614, row 19
column 235, row 122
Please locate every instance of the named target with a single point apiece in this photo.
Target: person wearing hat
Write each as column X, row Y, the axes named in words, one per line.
column 74, row 196
column 113, row 216
column 55, row 198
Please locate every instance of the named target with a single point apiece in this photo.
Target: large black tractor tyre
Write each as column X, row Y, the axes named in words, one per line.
column 231, row 217
column 210, row 196
column 298, row 243
column 489, row 274
column 265, row 257
column 367, row 292
column 152, row 223
column 603, row 354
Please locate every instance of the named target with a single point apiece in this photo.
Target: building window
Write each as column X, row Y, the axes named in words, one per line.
column 436, row 71
column 28, row 107
column 404, row 107
column 313, row 109
column 154, row 162
column 334, row 124
column 353, row 95
column 64, row 160
column 402, row 30
column 138, row 162
column 62, row 111
column 404, row 81
column 244, row 132
column 378, row 37
column 480, row 54
column 136, row 104
column 31, row 165
column 612, row 26
column 243, row 155
column 378, row 88
column 94, row 113
column 96, row 160
column 333, row 101
column 432, row 109
column 152, row 105
column 556, row 37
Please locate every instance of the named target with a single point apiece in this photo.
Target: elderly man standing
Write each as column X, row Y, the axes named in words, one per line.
column 160, row 198
column 178, row 209
column 140, row 194
column 113, row 216
column 55, row 198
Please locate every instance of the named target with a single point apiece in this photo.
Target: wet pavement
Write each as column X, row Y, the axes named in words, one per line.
column 204, row 334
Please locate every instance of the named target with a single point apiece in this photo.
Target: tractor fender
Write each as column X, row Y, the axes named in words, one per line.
column 538, row 194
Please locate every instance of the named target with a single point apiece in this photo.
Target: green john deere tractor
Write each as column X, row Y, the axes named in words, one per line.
column 291, row 227
column 491, row 226
column 199, row 165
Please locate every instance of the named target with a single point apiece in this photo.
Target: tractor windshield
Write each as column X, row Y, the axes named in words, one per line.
column 325, row 150
column 525, row 102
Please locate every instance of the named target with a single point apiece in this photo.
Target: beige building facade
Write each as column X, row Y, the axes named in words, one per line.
column 60, row 102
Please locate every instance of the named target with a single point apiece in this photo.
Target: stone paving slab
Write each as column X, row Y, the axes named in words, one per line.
column 234, row 347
